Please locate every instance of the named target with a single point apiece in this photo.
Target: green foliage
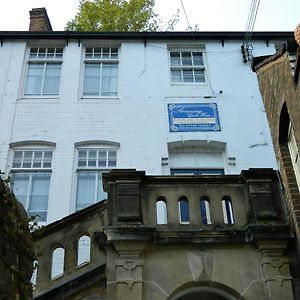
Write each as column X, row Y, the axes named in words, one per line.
column 17, row 253
column 118, row 15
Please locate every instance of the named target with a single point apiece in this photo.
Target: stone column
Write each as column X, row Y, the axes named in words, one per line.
column 128, row 270
column 275, row 270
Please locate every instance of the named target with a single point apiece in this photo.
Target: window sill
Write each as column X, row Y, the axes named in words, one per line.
column 195, row 84
column 40, row 97
column 97, row 98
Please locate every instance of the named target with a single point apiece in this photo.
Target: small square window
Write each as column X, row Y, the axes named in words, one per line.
column 187, row 67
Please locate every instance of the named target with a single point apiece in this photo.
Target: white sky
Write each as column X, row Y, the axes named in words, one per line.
column 210, row 15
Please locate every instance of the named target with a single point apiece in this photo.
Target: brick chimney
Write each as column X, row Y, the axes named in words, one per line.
column 39, row 20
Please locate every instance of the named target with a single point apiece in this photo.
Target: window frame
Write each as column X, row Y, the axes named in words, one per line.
column 31, row 172
column 94, row 169
column 45, row 61
column 191, row 49
column 99, row 61
column 294, row 153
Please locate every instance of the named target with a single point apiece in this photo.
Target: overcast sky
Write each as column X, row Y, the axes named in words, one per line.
column 210, row 15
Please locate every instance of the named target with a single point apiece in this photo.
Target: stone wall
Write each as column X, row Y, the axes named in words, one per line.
column 277, row 88
column 281, row 96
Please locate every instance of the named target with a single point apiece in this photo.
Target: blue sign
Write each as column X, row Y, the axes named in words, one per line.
column 185, row 117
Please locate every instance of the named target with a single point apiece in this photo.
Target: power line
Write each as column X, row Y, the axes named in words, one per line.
column 247, row 47
column 187, row 19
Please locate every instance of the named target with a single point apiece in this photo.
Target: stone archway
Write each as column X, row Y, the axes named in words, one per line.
column 206, row 293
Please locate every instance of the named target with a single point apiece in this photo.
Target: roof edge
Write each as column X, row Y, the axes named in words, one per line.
column 222, row 35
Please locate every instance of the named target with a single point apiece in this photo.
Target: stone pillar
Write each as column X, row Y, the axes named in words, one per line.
column 129, row 270
column 265, row 198
column 125, row 276
column 275, row 270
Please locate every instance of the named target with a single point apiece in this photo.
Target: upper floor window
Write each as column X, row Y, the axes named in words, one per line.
column 187, row 66
column 100, row 72
column 91, row 164
column 43, row 72
column 31, row 180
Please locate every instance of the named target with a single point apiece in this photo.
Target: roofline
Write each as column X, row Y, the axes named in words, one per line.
column 178, row 35
column 70, row 219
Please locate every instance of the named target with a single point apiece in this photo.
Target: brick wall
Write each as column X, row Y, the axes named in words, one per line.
column 277, row 87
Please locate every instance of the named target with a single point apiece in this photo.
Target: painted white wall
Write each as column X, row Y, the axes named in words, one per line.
column 138, row 117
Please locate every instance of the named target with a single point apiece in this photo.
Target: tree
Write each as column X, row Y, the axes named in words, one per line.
column 118, row 15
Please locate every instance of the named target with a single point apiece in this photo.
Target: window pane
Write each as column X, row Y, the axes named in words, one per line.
column 97, row 53
column 188, row 76
column 18, row 154
column 20, row 184
column 58, row 258
column 82, row 154
column 199, row 76
column 59, row 53
column 91, row 79
column 184, row 211
column 102, row 154
column 175, row 58
column 161, row 212
column 52, row 79
column 101, row 195
column 112, row 155
column 50, row 52
column 176, row 76
column 42, row 52
column 34, row 79
column 114, row 53
column 84, row 250
column 197, row 59
column 112, row 163
column 33, row 52
column 92, row 158
column 92, row 163
column 17, row 161
column 86, row 187
column 109, row 80
column 39, row 192
column 89, row 52
column 186, row 58
column 105, row 53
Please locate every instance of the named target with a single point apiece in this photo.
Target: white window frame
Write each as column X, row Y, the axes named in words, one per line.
column 101, row 61
column 93, row 169
column 48, row 59
column 294, row 153
column 31, row 171
column 191, row 49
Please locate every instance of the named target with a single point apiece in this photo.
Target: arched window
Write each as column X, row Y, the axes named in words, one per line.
column 34, row 273
column 161, row 211
column 184, row 214
column 84, row 250
column 31, row 172
column 58, row 259
column 227, row 210
column 204, row 210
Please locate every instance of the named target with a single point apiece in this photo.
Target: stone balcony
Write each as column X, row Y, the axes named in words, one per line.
column 205, row 208
column 152, row 226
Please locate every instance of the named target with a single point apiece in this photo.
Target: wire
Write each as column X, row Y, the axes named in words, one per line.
column 247, row 47
column 187, row 19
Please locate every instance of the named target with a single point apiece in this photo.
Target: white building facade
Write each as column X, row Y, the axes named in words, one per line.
column 75, row 105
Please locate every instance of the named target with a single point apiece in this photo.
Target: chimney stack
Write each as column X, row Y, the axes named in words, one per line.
column 39, row 20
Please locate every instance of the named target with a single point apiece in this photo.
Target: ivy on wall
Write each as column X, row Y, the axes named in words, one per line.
column 16, row 248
